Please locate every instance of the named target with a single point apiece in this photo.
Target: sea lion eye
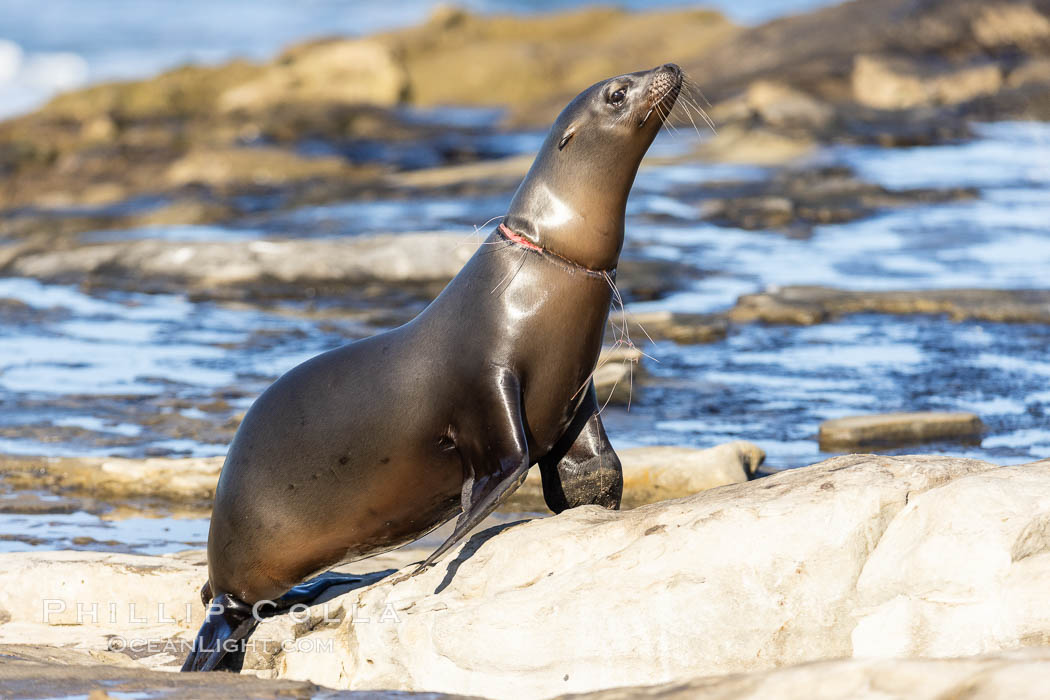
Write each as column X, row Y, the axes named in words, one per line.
column 618, row 97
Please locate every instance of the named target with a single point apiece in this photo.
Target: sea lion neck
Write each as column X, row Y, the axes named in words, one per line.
column 605, row 273
column 578, row 219
column 573, row 200
column 575, row 210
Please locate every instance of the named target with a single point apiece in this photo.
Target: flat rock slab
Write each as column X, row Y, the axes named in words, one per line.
column 190, row 481
column 1016, row 675
column 683, row 328
column 36, row 671
column 411, row 258
column 417, row 262
column 651, row 473
column 897, row 429
column 857, row 556
column 806, row 305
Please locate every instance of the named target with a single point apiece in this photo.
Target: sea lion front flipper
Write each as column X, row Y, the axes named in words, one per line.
column 582, row 468
column 497, row 460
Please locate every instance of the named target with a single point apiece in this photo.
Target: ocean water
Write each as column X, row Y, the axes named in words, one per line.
column 47, row 47
column 108, row 372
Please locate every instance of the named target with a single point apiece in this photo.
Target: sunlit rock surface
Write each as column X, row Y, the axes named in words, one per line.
column 898, row 429
column 859, row 555
column 806, row 305
column 1004, row 676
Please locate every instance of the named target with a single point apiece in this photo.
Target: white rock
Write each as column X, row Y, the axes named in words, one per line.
column 736, row 579
column 962, row 569
column 401, row 258
column 1008, row 676
column 858, row 556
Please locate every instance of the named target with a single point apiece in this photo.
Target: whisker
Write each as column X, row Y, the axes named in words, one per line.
column 694, row 86
column 630, row 387
column 511, row 275
column 706, row 117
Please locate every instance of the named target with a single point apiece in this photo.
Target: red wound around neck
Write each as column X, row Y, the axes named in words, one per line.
column 520, row 240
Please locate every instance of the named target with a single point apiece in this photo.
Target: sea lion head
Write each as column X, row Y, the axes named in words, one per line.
column 572, row 202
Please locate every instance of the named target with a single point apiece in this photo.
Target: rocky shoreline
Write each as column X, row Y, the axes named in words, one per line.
column 651, row 474
column 904, row 559
column 192, row 145
column 860, row 576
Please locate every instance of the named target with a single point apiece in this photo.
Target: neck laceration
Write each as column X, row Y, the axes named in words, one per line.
column 519, row 239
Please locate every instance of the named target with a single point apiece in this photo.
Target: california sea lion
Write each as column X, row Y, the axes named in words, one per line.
column 370, row 446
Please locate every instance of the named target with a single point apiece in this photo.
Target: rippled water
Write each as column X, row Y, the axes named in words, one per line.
column 94, row 372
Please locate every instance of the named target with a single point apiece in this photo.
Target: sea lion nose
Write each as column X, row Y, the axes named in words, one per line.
column 671, row 68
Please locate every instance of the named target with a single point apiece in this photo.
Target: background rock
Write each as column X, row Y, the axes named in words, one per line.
column 805, row 305
column 348, row 71
column 897, row 429
column 905, row 83
column 653, row 474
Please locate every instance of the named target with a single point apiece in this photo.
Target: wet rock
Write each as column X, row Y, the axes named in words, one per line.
column 533, row 64
column 781, row 105
column 346, row 71
column 860, row 555
column 1003, row 675
column 418, row 265
column 653, row 474
column 903, row 83
column 684, row 328
column 806, row 305
column 740, row 144
column 617, row 375
column 508, row 170
column 38, row 671
column 187, row 481
column 642, row 279
column 795, row 200
column 1032, row 71
column 293, row 267
column 780, row 90
column 119, row 140
column 258, row 165
column 32, row 504
column 897, row 429
column 1011, row 26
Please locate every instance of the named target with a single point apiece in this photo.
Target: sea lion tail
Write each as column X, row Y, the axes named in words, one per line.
column 228, row 622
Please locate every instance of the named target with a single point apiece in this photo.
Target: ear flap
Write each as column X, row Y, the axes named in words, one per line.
column 565, row 139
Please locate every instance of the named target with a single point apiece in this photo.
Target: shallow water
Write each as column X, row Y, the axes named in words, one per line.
column 134, row 374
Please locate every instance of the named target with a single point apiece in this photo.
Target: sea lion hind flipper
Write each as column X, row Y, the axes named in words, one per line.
column 582, row 468
column 227, row 623
column 495, row 465
column 308, row 591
